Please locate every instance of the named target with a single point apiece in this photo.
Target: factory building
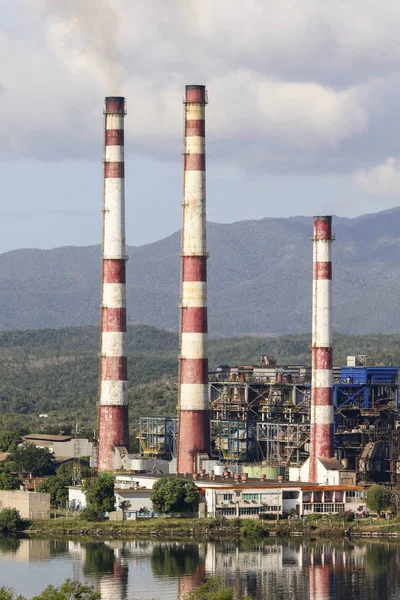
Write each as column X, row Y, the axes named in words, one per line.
column 261, row 415
column 323, row 425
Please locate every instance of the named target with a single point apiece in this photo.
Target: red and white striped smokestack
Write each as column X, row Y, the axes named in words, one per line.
column 113, row 409
column 321, row 443
column 194, row 425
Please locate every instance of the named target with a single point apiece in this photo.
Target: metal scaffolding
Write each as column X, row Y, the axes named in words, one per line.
column 262, row 414
column 157, row 437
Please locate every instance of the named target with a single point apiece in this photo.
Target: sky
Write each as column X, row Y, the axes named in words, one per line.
column 302, row 117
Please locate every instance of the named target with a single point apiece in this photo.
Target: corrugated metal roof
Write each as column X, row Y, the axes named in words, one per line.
column 44, row 437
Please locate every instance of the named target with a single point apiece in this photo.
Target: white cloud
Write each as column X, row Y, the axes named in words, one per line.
column 382, row 180
column 294, row 85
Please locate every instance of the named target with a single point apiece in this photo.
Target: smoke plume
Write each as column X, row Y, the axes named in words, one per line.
column 87, row 30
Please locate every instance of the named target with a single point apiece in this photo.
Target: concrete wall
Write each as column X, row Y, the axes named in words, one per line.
column 137, row 498
column 76, row 497
column 30, row 505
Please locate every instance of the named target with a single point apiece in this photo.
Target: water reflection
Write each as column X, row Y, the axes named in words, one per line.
column 151, row 570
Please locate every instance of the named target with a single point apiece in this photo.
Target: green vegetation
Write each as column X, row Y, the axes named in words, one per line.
column 57, row 372
column 27, row 458
column 324, row 526
column 378, row 498
column 10, row 521
column 213, row 589
column 8, row 481
column 250, row 528
column 9, row 440
column 174, row 495
column 56, row 485
column 99, row 497
column 69, row 590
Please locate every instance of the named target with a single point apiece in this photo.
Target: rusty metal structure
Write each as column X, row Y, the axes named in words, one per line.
column 194, row 432
column 113, row 429
column 157, row 437
column 262, row 414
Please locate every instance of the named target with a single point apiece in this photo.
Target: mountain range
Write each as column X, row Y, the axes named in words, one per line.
column 259, row 279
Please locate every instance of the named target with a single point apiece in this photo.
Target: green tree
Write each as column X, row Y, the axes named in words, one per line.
column 172, row 494
column 56, row 487
column 9, row 440
column 377, row 498
column 100, row 494
column 27, row 458
column 8, row 481
column 213, row 589
column 10, row 520
column 69, row 590
column 7, row 593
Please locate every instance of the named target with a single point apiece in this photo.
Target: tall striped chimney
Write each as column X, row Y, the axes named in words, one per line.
column 113, row 409
column 194, row 425
column 321, row 443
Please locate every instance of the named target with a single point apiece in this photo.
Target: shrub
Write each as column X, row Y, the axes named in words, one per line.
column 10, row 520
column 9, row 594
column 253, row 529
column 213, row 589
column 377, row 498
column 69, row 590
column 91, row 514
column 346, row 515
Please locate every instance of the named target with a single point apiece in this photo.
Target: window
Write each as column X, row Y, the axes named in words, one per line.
column 290, row 495
column 329, row 507
column 251, row 497
column 226, row 512
column 267, row 508
column 228, row 497
column 355, row 494
column 251, row 510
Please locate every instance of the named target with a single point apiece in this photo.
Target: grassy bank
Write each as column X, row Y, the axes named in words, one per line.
column 219, row 528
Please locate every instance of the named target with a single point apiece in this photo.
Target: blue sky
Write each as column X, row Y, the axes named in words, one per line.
column 302, row 115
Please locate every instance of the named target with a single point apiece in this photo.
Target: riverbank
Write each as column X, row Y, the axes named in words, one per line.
column 216, row 529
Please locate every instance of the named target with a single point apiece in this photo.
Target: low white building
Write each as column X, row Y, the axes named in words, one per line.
column 76, row 497
column 252, row 500
column 240, row 498
column 138, row 500
column 329, row 472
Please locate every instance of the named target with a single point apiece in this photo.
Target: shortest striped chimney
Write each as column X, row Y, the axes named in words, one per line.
column 321, row 442
column 194, row 424
column 113, row 409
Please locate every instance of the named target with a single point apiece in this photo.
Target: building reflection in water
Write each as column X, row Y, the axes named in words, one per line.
column 311, row 570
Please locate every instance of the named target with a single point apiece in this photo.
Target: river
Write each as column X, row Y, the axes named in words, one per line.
column 154, row 570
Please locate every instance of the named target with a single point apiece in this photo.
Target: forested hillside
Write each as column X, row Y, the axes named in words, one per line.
column 259, row 279
column 55, row 371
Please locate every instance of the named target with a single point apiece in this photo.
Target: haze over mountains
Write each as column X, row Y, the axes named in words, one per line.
column 259, row 279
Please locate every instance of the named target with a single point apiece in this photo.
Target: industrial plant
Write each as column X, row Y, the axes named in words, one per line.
column 324, row 425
